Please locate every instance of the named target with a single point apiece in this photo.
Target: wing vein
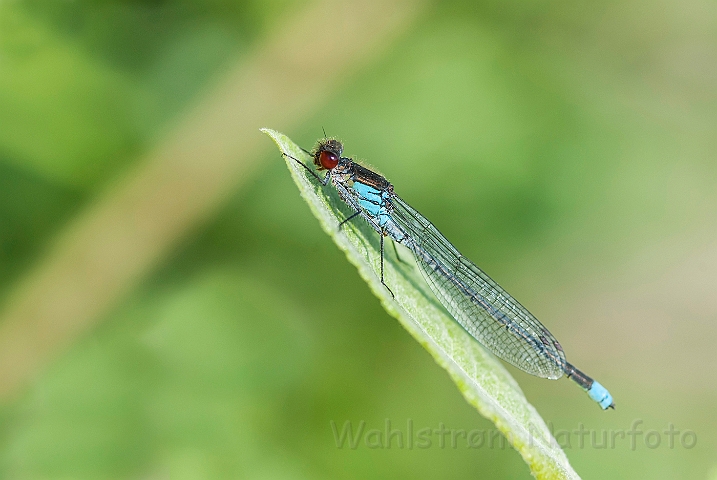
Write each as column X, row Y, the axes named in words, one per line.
column 476, row 301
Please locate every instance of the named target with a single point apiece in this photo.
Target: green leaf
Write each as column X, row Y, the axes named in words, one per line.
column 481, row 378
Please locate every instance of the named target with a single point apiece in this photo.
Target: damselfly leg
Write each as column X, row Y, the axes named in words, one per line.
column 382, row 282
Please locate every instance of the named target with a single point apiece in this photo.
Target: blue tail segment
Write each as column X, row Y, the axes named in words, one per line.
column 600, row 394
column 595, row 391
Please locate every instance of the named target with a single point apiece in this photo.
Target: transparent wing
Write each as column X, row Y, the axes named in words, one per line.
column 477, row 302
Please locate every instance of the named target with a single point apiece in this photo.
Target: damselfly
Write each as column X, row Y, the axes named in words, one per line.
column 486, row 311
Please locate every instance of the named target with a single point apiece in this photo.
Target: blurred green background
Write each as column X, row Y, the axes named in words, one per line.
column 567, row 148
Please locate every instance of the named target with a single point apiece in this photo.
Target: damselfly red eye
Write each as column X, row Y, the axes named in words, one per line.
column 328, row 159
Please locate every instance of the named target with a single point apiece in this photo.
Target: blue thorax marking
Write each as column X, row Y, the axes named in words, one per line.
column 372, row 200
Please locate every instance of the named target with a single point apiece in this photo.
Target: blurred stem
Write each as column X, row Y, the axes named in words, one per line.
column 117, row 240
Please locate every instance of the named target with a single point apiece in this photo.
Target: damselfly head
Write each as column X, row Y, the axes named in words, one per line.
column 327, row 154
